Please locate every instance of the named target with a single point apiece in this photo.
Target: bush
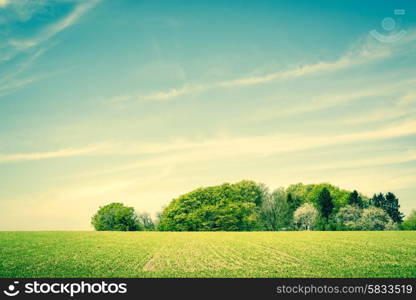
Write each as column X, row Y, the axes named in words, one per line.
column 410, row 222
column 348, row 218
column 116, row 217
column 305, row 217
column 374, row 218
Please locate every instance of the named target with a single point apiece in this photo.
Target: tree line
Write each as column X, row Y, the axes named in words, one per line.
column 249, row 206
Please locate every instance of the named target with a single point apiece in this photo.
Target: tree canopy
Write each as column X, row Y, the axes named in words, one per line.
column 355, row 199
column 247, row 206
column 116, row 217
column 226, row 207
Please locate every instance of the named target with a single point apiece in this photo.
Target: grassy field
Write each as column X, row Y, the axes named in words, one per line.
column 204, row 254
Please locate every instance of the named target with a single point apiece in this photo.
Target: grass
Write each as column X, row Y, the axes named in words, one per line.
column 208, row 254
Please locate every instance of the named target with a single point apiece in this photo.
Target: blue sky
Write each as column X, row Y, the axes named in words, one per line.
column 139, row 102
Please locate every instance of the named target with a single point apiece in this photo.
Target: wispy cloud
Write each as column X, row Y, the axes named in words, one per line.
column 383, row 160
column 394, row 90
column 379, row 115
column 365, row 53
column 55, row 28
column 25, row 64
column 14, row 84
column 226, row 146
column 280, row 143
column 215, row 150
column 408, row 98
column 34, row 47
column 69, row 152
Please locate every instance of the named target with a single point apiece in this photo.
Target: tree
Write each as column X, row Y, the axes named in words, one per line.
column 392, row 208
column 274, row 212
column 146, row 221
column 305, row 217
column 390, row 204
column 325, row 203
column 293, row 202
column 355, row 199
column 410, row 222
column 116, row 217
column 226, row 207
column 378, row 200
column 348, row 218
column 310, row 193
column 375, row 218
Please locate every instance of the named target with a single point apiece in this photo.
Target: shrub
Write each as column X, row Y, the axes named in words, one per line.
column 348, row 218
column 116, row 217
column 410, row 222
column 374, row 218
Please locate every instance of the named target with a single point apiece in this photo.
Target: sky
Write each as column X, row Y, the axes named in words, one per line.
column 141, row 101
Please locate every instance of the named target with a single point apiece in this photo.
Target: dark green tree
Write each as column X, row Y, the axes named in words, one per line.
column 355, row 199
column 116, row 217
column 325, row 203
column 392, row 207
column 390, row 204
column 378, row 200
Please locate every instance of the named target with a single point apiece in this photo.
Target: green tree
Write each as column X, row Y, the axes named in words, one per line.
column 339, row 196
column 355, row 199
column 410, row 222
column 390, row 204
column 293, row 202
column 226, row 207
column 325, row 203
column 116, row 217
column 378, row 200
column 275, row 212
column 392, row 208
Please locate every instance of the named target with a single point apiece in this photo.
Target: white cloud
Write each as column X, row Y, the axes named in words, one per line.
column 365, row 53
column 316, row 103
column 408, row 98
column 55, row 28
column 173, row 93
column 19, row 157
column 395, row 158
column 380, row 115
column 183, row 151
column 10, row 82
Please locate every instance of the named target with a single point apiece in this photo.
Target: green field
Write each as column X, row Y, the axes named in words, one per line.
column 208, row 254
